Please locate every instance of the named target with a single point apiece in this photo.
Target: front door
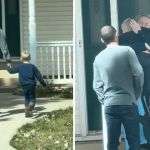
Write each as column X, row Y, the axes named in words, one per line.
column 96, row 13
column 9, row 22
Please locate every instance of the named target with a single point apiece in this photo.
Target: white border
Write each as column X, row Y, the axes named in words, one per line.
column 80, row 66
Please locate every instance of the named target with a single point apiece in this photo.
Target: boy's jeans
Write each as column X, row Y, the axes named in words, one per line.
column 29, row 93
column 128, row 116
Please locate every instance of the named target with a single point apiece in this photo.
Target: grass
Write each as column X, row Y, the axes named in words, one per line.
column 52, row 132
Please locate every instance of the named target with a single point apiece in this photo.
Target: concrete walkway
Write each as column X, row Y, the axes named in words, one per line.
column 12, row 114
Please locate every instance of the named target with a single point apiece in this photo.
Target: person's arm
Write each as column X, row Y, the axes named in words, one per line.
column 137, row 72
column 39, row 76
column 12, row 70
column 98, row 84
column 126, row 39
column 4, row 48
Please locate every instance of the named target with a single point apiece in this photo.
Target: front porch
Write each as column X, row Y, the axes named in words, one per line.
column 53, row 59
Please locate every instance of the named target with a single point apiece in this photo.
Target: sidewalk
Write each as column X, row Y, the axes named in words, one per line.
column 12, row 114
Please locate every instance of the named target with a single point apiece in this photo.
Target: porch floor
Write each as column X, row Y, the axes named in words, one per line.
column 93, row 145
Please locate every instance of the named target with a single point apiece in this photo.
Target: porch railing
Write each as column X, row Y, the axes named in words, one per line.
column 55, row 61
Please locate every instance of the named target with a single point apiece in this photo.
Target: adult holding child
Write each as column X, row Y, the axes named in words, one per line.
column 137, row 35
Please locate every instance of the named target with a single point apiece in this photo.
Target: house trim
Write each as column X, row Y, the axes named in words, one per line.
column 21, row 25
column 114, row 14
column 80, row 69
column 3, row 15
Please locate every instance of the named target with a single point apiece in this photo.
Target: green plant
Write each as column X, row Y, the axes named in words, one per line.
column 67, row 93
column 52, row 132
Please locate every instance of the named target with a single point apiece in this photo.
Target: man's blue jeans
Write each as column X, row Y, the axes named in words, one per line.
column 128, row 116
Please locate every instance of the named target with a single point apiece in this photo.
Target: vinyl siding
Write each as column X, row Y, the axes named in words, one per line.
column 54, row 21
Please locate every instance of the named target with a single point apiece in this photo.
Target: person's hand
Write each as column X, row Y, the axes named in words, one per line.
column 9, row 65
column 135, row 26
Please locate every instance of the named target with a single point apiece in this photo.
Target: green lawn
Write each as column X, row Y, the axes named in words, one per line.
column 52, row 132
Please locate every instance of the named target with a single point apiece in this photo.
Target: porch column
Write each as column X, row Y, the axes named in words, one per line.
column 3, row 15
column 114, row 14
column 32, row 31
column 80, row 89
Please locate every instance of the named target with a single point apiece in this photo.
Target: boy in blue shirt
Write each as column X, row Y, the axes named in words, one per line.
column 28, row 74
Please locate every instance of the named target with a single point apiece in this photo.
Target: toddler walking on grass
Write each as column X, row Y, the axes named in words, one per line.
column 28, row 74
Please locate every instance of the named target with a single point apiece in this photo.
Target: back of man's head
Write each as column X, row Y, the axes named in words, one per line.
column 108, row 34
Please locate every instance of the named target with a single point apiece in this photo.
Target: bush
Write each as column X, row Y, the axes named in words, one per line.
column 49, row 91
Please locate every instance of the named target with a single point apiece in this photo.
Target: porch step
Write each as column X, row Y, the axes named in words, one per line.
column 8, row 81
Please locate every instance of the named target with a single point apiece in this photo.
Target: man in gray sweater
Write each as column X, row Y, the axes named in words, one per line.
column 118, row 80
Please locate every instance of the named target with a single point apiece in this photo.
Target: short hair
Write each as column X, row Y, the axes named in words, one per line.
column 25, row 55
column 108, row 34
column 140, row 16
column 125, row 26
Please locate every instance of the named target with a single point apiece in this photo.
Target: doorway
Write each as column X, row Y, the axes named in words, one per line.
column 10, row 23
column 97, row 13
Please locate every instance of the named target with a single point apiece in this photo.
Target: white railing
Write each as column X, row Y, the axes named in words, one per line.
column 55, row 61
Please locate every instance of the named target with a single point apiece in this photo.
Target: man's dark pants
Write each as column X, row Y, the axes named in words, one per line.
column 128, row 116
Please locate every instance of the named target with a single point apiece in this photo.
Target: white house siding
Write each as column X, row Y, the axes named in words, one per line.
column 54, row 22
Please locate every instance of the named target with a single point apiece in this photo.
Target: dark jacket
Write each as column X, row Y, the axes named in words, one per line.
column 28, row 74
column 136, row 41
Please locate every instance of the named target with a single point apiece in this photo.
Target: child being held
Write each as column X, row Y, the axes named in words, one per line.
column 28, row 74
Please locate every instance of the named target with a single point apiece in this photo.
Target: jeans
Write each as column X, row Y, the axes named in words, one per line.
column 115, row 117
column 29, row 93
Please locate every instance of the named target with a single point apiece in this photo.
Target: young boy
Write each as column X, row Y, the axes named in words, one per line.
column 28, row 74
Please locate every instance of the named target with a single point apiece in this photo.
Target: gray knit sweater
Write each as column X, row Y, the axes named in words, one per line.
column 118, row 76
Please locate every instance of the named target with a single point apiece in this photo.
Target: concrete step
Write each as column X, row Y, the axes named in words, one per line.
column 8, row 81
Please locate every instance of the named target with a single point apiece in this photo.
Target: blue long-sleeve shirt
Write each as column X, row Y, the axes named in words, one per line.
column 28, row 74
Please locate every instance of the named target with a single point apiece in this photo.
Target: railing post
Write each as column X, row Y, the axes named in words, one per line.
column 32, row 31
column 56, row 60
column 64, row 61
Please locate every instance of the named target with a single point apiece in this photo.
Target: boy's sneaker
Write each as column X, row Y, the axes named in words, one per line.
column 30, row 113
column 27, row 114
